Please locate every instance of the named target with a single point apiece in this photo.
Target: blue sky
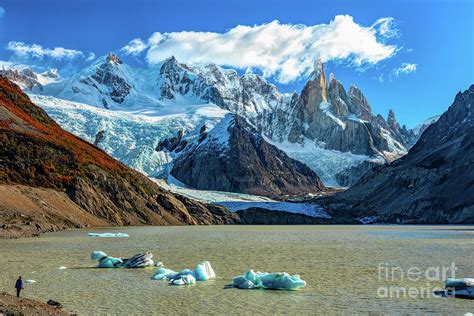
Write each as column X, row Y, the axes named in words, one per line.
column 431, row 43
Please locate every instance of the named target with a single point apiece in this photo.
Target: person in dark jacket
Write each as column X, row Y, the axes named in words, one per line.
column 18, row 286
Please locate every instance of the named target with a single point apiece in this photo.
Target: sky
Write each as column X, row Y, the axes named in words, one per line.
column 410, row 56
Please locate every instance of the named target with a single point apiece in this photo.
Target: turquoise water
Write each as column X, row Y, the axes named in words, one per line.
column 340, row 264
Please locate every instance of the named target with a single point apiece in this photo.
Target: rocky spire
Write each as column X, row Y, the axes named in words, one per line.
column 359, row 104
column 392, row 121
column 113, row 59
column 319, row 76
column 337, row 97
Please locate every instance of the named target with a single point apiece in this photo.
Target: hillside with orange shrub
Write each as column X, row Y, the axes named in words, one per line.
column 37, row 154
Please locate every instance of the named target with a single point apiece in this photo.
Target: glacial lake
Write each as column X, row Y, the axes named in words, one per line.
column 348, row 269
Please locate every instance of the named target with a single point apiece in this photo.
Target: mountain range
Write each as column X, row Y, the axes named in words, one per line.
column 332, row 131
column 208, row 128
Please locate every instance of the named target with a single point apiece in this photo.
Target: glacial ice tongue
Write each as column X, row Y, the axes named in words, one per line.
column 140, row 260
column 106, row 235
column 264, row 280
column 202, row 272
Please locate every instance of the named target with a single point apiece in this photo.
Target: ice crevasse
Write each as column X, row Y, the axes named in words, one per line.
column 264, row 280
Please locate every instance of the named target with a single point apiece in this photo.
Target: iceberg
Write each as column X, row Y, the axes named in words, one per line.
column 264, row 280
column 184, row 280
column 140, row 260
column 453, row 283
column 202, row 272
column 107, row 235
column 460, row 288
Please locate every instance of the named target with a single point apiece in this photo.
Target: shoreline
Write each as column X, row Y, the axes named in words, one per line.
column 40, row 234
column 12, row 305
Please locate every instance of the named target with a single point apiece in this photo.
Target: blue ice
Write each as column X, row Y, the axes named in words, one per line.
column 264, row 280
column 202, row 272
column 140, row 260
column 108, row 235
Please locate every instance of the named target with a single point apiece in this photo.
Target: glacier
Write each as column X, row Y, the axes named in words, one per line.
column 131, row 136
column 264, row 280
column 240, row 201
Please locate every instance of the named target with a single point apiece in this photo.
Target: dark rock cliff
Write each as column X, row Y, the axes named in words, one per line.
column 433, row 183
column 234, row 157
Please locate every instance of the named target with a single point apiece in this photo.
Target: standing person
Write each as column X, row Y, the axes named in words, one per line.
column 18, row 286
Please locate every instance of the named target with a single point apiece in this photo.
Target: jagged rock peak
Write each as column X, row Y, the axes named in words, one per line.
column 113, row 59
column 318, row 65
column 171, row 60
column 52, row 73
column 319, row 76
column 354, row 90
column 331, row 77
column 391, row 117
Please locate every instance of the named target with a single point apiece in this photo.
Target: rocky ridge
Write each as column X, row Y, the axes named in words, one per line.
column 234, row 157
column 432, row 184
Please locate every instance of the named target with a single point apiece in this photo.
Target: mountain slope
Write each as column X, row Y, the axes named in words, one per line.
column 234, row 157
column 36, row 152
column 433, row 183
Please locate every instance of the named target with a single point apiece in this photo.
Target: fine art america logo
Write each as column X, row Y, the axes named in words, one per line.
column 425, row 281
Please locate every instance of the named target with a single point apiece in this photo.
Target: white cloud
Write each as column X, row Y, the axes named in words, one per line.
column 90, row 56
column 283, row 51
column 134, row 47
column 24, row 50
column 404, row 69
column 2, row 12
column 386, row 27
column 380, row 78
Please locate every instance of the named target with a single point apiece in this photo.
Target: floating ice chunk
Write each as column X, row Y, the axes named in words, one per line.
column 264, row 280
column 97, row 255
column 461, row 288
column 164, row 274
column 184, row 280
column 251, row 276
column 62, row 267
column 203, row 272
column 282, row 281
column 29, row 281
column 106, row 235
column 140, row 260
column 458, row 282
